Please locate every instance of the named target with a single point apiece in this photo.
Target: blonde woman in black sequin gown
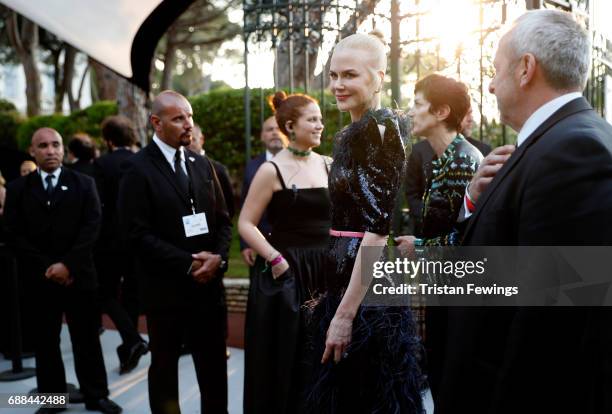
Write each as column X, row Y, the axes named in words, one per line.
column 366, row 357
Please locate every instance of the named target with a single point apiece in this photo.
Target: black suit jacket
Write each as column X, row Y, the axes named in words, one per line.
column 107, row 172
column 226, row 186
column 556, row 189
column 84, row 167
column 483, row 147
column 63, row 230
column 418, row 170
column 151, row 208
column 249, row 173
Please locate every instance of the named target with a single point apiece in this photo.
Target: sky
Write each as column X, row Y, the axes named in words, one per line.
column 454, row 23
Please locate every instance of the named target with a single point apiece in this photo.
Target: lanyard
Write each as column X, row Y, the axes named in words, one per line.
column 191, row 194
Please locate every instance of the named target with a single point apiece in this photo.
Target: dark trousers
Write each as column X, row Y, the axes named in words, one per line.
column 204, row 332
column 435, row 345
column 52, row 301
column 112, row 267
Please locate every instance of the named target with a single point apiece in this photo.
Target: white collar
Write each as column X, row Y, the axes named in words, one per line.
column 269, row 155
column 56, row 173
column 168, row 151
column 543, row 113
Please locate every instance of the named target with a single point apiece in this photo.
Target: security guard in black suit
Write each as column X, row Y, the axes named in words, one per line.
column 53, row 219
column 173, row 210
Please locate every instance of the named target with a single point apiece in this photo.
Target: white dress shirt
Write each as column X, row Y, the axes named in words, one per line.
column 169, row 153
column 269, row 155
column 542, row 114
column 533, row 122
column 43, row 175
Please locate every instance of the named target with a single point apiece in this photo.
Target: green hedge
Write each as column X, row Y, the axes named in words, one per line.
column 87, row 120
column 220, row 113
column 7, row 106
column 9, row 124
column 10, row 120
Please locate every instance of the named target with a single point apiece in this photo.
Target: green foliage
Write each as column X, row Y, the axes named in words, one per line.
column 87, row 120
column 6, row 106
column 493, row 134
column 9, row 123
column 220, row 114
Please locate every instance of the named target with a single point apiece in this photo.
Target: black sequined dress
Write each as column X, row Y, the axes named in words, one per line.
column 275, row 375
column 380, row 373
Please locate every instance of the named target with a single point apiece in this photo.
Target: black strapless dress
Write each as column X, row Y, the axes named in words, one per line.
column 380, row 373
column 275, row 375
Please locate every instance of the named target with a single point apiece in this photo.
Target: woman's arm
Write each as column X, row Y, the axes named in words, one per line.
column 260, row 193
column 341, row 326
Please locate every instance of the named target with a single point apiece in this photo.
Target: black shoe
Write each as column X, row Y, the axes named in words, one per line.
column 104, row 405
column 132, row 357
column 49, row 410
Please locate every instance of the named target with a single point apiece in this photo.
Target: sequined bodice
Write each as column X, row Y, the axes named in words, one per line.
column 364, row 177
column 364, row 181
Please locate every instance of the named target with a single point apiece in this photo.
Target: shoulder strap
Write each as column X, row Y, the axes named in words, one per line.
column 278, row 174
column 326, row 166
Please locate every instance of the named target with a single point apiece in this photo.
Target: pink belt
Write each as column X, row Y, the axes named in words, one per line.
column 339, row 233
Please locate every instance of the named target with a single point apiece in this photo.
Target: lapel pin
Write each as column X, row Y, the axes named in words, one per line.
column 191, row 159
column 64, row 188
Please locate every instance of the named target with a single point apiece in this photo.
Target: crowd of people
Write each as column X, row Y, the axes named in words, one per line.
column 83, row 235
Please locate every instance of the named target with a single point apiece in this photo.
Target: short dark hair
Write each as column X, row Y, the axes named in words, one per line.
column 82, row 148
column 119, row 130
column 440, row 90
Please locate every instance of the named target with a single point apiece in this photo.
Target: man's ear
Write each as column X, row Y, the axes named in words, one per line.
column 527, row 67
column 155, row 121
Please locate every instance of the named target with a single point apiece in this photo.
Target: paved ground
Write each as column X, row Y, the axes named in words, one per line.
column 130, row 391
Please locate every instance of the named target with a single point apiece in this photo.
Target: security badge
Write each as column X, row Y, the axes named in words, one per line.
column 195, row 224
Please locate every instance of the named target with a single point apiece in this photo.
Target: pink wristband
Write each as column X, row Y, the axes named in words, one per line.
column 277, row 260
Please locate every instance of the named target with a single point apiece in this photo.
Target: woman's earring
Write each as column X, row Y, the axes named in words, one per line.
column 292, row 135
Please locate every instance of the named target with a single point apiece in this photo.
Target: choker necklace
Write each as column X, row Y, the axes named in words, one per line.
column 298, row 152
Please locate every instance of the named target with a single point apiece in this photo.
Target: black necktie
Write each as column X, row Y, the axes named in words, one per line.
column 49, row 180
column 181, row 177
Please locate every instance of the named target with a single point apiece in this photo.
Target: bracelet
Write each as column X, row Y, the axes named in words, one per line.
column 277, row 260
column 269, row 257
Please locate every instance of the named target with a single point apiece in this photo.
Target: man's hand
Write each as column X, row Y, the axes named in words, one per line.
column 195, row 265
column 487, row 170
column 248, row 255
column 210, row 265
column 405, row 245
column 59, row 273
